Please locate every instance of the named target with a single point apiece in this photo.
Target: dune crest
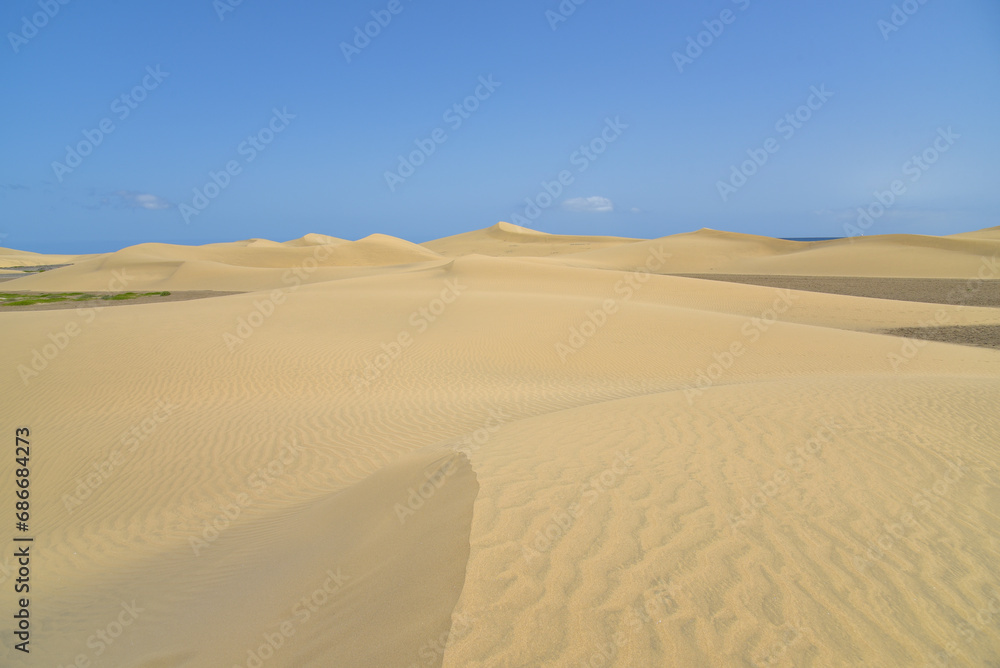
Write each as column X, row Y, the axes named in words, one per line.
column 506, row 239
column 313, row 239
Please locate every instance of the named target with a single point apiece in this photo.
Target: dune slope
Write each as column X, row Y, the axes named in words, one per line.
column 423, row 464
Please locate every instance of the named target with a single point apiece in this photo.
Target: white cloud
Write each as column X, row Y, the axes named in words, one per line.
column 143, row 200
column 590, row 204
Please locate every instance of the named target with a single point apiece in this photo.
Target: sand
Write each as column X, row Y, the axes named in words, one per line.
column 10, row 258
column 387, row 454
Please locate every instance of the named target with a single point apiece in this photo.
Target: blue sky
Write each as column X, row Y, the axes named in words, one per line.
column 228, row 76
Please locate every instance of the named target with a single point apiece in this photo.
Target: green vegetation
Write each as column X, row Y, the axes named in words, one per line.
column 28, row 269
column 18, row 299
column 21, row 299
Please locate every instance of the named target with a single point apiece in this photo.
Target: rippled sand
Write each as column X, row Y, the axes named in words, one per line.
column 508, row 448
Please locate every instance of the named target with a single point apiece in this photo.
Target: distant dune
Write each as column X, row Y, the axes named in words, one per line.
column 505, row 239
column 509, row 448
column 314, row 240
column 989, row 234
column 255, row 264
column 16, row 258
column 713, row 252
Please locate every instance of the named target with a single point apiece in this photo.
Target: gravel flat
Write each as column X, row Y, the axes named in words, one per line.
column 928, row 290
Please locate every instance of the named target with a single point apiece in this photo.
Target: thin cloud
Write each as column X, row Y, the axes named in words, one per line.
column 134, row 200
column 590, row 204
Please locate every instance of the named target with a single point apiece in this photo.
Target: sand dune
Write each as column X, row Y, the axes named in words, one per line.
column 241, row 266
column 16, row 258
column 712, row 251
column 506, row 239
column 989, row 233
column 314, row 240
column 714, row 542
column 709, row 252
column 444, row 455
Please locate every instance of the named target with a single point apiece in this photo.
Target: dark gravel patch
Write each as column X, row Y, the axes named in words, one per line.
column 983, row 336
column 955, row 291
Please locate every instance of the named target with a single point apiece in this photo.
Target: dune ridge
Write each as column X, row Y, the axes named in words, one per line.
column 242, row 266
